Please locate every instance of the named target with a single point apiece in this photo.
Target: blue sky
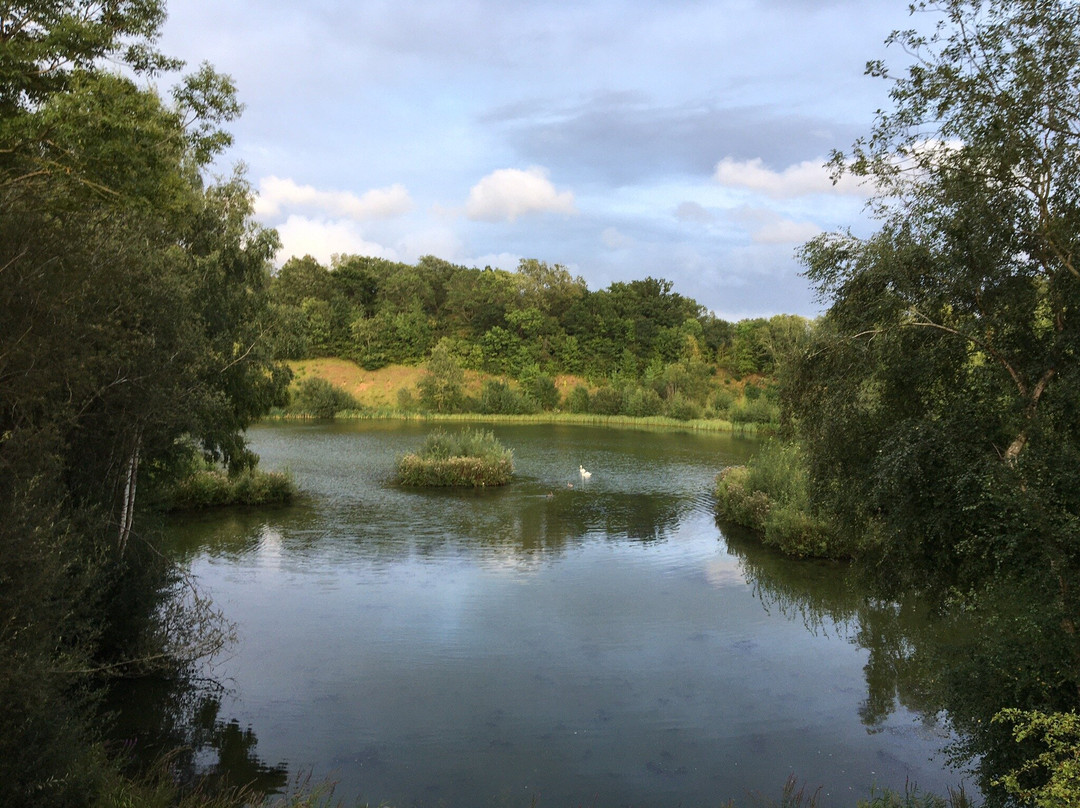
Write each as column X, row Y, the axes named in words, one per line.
column 680, row 139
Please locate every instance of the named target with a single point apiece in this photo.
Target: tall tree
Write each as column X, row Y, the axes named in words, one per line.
column 939, row 403
column 133, row 320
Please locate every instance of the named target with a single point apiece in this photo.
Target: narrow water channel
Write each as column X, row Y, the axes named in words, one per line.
column 561, row 640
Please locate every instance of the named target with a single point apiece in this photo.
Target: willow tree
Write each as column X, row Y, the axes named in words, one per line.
column 939, row 404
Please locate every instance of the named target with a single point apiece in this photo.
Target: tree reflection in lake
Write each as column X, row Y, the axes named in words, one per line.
column 954, row 667
column 177, row 722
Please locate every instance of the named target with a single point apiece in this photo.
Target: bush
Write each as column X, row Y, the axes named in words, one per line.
column 497, row 398
column 542, row 390
column 644, row 402
column 683, row 409
column 577, row 400
column 472, row 457
column 758, row 410
column 607, row 401
column 406, row 401
column 720, row 403
column 320, row 399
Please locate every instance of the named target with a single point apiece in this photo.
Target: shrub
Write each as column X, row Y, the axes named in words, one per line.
column 757, row 410
column 498, row 398
column 577, row 400
column 720, row 402
column 644, row 402
column 737, row 502
column 683, row 409
column 606, row 401
column 406, row 401
column 319, row 398
column 771, row 495
column 472, row 457
column 542, row 390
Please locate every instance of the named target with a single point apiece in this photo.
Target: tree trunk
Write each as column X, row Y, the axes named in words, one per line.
column 127, row 508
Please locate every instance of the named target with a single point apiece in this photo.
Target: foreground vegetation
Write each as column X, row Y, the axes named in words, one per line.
column 472, row 458
column 932, row 416
column 133, row 313
column 771, row 495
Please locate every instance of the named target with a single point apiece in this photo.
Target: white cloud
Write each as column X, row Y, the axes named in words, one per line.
column 301, row 236
column 692, row 212
column 503, row 260
column 802, row 179
column 508, row 193
column 277, row 195
column 615, row 240
column 785, row 231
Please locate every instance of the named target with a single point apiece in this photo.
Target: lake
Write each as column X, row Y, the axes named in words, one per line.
column 561, row 640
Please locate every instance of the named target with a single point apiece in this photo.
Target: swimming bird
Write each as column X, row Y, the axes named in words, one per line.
column 584, row 474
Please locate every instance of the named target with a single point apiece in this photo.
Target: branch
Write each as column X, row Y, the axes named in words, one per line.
column 926, row 322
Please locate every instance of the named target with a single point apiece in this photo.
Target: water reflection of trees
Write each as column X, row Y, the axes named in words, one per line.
column 177, row 722
column 831, row 596
column 544, row 524
column 953, row 662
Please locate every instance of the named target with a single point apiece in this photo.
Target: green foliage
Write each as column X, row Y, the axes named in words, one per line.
column 937, row 402
column 720, row 402
column 757, row 410
column 442, row 387
column 498, row 398
column 541, row 389
column 471, row 458
column 320, row 399
column 134, row 318
column 1050, row 777
column 913, row 798
column 606, row 401
column 577, row 400
column 210, row 488
column 770, row 494
column 644, row 402
column 683, row 409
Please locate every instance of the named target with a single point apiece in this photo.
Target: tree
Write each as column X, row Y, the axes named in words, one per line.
column 442, row 389
column 133, row 326
column 938, row 401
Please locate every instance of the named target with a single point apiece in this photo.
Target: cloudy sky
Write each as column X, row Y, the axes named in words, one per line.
column 681, row 139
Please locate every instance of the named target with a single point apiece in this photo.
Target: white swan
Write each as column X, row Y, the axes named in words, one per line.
column 584, row 474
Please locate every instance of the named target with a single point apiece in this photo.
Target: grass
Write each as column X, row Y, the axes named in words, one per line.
column 376, row 392
column 470, row 458
column 213, row 488
column 771, row 495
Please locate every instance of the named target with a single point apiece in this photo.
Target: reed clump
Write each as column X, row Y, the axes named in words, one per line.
column 471, row 458
column 213, row 488
column 771, row 495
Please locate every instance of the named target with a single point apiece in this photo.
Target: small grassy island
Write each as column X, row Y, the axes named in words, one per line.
column 472, row 457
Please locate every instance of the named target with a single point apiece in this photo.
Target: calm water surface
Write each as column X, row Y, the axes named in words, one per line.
column 579, row 642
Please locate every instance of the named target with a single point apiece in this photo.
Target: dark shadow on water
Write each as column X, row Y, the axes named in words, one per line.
column 177, row 722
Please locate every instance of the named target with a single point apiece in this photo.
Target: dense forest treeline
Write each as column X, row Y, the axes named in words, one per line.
column 647, row 349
